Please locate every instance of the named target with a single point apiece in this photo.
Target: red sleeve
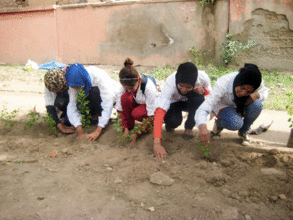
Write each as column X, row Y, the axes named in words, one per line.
column 206, row 91
column 158, row 122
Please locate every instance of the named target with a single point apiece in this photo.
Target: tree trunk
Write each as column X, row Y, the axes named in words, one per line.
column 290, row 140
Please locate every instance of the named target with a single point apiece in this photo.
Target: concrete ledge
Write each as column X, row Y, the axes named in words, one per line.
column 262, row 149
column 41, row 8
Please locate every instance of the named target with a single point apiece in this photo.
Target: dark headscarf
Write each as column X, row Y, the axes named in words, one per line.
column 186, row 73
column 248, row 75
column 77, row 75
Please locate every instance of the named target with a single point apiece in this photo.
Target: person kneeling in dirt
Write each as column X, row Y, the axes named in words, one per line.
column 136, row 101
column 184, row 90
column 56, row 95
column 100, row 90
column 236, row 101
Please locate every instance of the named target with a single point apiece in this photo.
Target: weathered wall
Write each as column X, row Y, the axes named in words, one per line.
column 269, row 23
column 154, row 33
column 28, row 35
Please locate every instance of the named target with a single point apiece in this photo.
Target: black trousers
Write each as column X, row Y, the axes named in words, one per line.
column 174, row 117
column 95, row 101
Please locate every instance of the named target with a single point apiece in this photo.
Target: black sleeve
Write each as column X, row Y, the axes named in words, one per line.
column 53, row 113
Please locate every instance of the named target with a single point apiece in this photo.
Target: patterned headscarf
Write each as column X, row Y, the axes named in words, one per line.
column 77, row 75
column 55, row 80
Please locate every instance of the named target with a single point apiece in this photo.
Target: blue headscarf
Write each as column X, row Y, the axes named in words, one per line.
column 76, row 75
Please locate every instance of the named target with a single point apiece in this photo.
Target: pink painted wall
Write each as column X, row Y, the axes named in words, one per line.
column 28, row 35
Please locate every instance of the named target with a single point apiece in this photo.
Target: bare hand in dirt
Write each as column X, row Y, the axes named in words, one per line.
column 252, row 97
column 64, row 129
column 204, row 135
column 94, row 135
column 79, row 133
column 133, row 140
column 198, row 89
column 124, row 135
column 159, row 150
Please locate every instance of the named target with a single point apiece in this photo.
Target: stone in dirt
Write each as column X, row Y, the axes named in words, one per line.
column 282, row 196
column 161, row 179
column 274, row 171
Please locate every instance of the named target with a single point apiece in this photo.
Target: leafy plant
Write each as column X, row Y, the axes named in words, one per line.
column 84, row 109
column 51, row 123
column 232, row 47
column 33, row 118
column 206, row 2
column 119, row 128
column 6, row 118
column 290, row 108
column 199, row 58
column 206, row 150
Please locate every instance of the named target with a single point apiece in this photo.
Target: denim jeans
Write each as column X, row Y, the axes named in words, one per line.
column 228, row 117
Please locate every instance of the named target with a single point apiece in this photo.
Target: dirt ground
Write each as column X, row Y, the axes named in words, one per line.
column 104, row 180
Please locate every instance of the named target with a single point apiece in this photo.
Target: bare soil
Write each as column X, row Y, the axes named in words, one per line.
column 104, row 180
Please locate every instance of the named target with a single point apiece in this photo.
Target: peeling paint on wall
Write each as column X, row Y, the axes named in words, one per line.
column 273, row 38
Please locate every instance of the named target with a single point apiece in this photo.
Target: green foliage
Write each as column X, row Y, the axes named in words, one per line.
column 161, row 73
column 206, row 150
column 6, row 118
column 290, row 108
column 206, row 2
column 119, row 128
column 51, row 123
column 199, row 58
column 232, row 47
column 33, row 118
column 84, row 109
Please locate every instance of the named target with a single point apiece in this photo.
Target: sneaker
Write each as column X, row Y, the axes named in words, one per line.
column 169, row 129
column 216, row 132
column 245, row 139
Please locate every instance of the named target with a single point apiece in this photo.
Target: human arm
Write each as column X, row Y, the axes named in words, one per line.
column 159, row 150
column 52, row 112
column 204, row 135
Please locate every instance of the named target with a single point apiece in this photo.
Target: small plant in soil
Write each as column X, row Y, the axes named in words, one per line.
column 33, row 118
column 51, row 123
column 84, row 109
column 6, row 118
column 206, row 150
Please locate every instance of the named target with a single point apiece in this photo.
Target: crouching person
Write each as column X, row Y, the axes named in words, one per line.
column 184, row 90
column 100, row 90
column 136, row 101
column 236, row 101
column 56, row 97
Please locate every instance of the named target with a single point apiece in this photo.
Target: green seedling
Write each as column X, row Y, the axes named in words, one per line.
column 206, row 150
column 33, row 118
column 51, row 124
column 84, row 109
column 6, row 118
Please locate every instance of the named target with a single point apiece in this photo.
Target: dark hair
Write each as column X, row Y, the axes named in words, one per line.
column 128, row 75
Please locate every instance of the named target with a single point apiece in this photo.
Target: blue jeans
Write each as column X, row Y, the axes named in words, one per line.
column 228, row 118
